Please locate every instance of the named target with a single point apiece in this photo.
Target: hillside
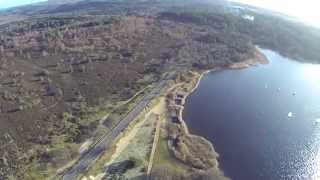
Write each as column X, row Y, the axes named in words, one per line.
column 63, row 66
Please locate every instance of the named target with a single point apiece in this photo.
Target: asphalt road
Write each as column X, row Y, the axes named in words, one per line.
column 89, row 158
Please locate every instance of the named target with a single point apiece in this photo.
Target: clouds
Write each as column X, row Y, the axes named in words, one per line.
column 306, row 10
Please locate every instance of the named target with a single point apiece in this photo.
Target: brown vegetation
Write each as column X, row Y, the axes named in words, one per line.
column 54, row 71
column 58, row 69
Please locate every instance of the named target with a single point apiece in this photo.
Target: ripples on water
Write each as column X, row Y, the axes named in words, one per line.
column 247, row 112
column 311, row 166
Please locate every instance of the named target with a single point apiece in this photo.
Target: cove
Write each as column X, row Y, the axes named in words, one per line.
column 264, row 121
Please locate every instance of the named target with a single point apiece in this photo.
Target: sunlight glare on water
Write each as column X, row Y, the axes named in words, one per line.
column 312, row 74
column 311, row 169
column 316, row 175
column 274, row 122
column 306, row 10
column 312, row 165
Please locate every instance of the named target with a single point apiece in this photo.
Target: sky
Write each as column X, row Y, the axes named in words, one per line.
column 306, row 10
column 11, row 3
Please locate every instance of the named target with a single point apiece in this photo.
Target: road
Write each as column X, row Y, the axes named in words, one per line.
column 89, row 158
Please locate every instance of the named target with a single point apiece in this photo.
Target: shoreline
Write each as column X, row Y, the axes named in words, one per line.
column 184, row 126
column 199, row 154
column 259, row 58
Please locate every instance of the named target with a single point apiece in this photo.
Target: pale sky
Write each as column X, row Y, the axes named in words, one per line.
column 306, row 10
column 12, row 3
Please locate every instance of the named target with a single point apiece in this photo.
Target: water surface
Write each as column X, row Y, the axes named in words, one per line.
column 246, row 114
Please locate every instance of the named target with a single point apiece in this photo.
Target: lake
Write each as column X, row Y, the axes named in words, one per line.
column 264, row 121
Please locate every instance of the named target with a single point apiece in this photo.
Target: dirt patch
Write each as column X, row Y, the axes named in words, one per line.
column 133, row 145
column 259, row 58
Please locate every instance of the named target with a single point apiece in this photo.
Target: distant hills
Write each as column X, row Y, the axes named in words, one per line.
column 76, row 5
column 63, row 63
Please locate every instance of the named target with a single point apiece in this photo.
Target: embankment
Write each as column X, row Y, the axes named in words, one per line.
column 193, row 150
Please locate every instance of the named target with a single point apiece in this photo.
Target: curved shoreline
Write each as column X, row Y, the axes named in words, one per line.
column 259, row 58
column 186, row 129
